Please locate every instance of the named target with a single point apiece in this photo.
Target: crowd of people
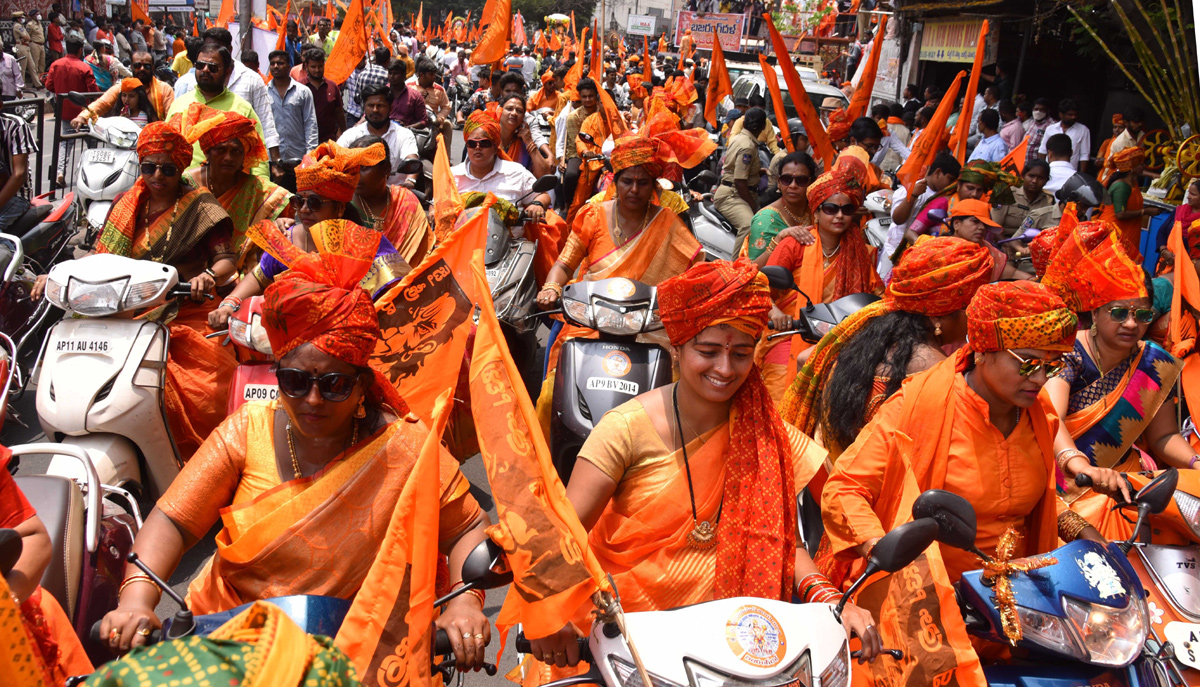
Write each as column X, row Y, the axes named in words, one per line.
column 986, row 367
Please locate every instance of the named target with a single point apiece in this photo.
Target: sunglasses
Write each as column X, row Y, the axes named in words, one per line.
column 479, row 143
column 788, row 180
column 832, row 209
column 334, row 387
column 1121, row 313
column 1029, row 366
column 168, row 169
column 314, row 203
column 207, row 66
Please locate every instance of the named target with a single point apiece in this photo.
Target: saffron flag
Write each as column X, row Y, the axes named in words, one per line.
column 647, row 65
column 447, row 203
column 719, row 86
column 574, row 35
column 388, row 631
column 1015, row 160
column 554, row 571
column 350, row 46
column 497, row 17
column 331, row 11
column 418, row 23
column 518, row 31
column 227, row 14
column 804, row 107
column 1186, row 283
column 932, row 139
column 866, row 84
column 281, row 42
column 962, row 128
column 595, row 66
column 426, row 318
column 776, row 102
column 575, row 73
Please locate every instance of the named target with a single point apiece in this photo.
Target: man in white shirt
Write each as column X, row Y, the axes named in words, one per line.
column 1081, row 137
column 942, row 172
column 377, row 109
column 528, row 67
column 1058, row 154
column 1134, row 133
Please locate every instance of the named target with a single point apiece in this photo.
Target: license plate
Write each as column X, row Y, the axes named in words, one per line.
column 260, row 392
column 101, row 155
column 609, row 384
column 1185, row 638
column 92, row 346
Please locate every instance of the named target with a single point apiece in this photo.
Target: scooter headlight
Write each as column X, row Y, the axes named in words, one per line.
column 121, row 139
column 1111, row 636
column 577, row 310
column 143, row 293
column 1049, row 631
column 54, row 293
column 799, row 674
column 95, row 300
column 837, row 673
column 1189, row 508
column 610, row 319
column 628, row 676
column 240, row 332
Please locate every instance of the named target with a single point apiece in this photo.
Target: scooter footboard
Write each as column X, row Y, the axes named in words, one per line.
column 1066, row 674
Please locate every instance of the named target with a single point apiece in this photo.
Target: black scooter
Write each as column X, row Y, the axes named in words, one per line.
column 816, row 319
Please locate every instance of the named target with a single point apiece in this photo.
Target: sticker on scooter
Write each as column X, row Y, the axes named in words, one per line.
column 260, row 392
column 1101, row 576
column 1185, row 638
column 756, row 637
column 620, row 288
column 616, row 364
column 609, row 384
column 96, row 346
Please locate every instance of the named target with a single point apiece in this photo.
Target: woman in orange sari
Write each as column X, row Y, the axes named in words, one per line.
column 391, row 210
column 688, row 491
column 304, row 486
column 1127, row 207
column 1117, row 393
column 846, row 265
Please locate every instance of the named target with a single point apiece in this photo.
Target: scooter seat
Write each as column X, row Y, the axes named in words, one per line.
column 30, row 219
column 59, row 503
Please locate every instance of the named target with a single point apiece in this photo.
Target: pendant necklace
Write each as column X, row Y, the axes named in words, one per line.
column 292, row 446
column 704, row 534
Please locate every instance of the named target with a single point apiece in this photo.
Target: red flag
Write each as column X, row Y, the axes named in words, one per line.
column 866, row 83
column 932, row 139
column 1015, row 160
column 497, row 17
column 350, row 46
column 776, row 102
column 804, row 107
column 962, row 128
column 718, row 84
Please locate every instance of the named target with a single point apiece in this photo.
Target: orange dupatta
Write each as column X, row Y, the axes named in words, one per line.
column 407, row 226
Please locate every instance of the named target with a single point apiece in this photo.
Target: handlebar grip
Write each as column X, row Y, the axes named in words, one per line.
column 1083, row 481
column 894, row 653
column 441, row 644
column 524, row 646
column 154, row 638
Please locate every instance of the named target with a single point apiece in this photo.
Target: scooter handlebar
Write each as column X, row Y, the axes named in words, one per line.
column 894, row 653
column 443, row 647
column 184, row 290
column 154, row 637
column 524, row 646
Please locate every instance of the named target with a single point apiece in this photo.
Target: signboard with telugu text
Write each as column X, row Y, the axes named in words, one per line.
column 640, row 25
column 955, row 41
column 729, row 27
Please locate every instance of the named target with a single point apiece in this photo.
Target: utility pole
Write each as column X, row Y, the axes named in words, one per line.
column 245, row 16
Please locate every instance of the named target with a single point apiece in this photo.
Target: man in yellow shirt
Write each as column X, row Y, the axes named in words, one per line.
column 325, row 37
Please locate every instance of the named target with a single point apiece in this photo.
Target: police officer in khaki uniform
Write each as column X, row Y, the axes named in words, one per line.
column 37, row 43
column 737, row 196
column 1027, row 198
column 23, row 51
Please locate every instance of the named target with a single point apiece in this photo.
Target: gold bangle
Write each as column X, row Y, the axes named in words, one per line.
column 137, row 577
column 553, row 286
column 1064, row 456
column 1070, row 524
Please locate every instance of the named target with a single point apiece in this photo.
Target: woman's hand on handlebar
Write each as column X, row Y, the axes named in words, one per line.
column 468, row 629
column 547, row 298
column 1108, row 482
column 128, row 627
column 202, row 284
column 219, row 318
column 859, row 623
column 559, row 649
column 780, row 321
column 39, row 287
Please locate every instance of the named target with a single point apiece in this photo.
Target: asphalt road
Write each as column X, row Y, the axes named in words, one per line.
column 22, row 427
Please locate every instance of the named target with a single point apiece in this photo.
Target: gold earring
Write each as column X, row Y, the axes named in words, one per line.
column 361, row 411
column 937, row 328
column 1094, row 328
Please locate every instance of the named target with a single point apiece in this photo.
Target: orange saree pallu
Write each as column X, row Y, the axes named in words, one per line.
column 406, row 226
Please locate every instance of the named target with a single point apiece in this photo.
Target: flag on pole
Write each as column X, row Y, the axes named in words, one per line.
column 350, row 46
column 866, row 84
column 647, row 65
column 227, row 14
column 962, row 128
column 497, row 18
column 281, row 41
column 595, row 67
column 776, row 102
column 718, row 84
column 804, row 107
column 932, row 139
column 1014, row 162
column 447, row 203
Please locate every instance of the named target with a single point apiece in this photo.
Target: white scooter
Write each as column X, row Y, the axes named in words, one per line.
column 106, row 171
column 879, row 204
column 102, row 373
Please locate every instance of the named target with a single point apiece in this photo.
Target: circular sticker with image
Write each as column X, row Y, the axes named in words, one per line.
column 756, row 637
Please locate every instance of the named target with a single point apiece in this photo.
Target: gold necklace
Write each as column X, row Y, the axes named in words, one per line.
column 291, row 442
column 620, row 236
column 791, row 217
column 371, row 216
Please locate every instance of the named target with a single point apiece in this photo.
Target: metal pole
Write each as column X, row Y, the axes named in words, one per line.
column 244, row 18
column 1021, row 59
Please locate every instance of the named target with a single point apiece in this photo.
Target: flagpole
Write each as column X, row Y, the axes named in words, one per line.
column 245, row 16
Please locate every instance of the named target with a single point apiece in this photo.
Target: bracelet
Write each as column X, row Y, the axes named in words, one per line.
column 209, row 271
column 1070, row 524
column 137, row 577
column 553, row 286
column 479, row 594
column 1064, row 456
column 233, row 302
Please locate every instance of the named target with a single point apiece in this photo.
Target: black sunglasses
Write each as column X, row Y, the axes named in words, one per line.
column 168, row 169
column 206, row 66
column 314, row 203
column 334, row 387
column 788, row 180
column 479, row 143
column 832, row 209
column 1120, row 313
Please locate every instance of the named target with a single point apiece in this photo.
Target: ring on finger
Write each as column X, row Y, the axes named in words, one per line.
column 479, row 637
column 114, row 635
column 467, row 635
column 144, row 631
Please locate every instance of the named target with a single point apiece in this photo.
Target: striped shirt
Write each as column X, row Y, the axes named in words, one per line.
column 16, row 138
column 368, row 77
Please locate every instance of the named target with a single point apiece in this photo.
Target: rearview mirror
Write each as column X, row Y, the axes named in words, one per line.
column 545, row 184
column 412, row 166
column 586, row 138
column 1157, row 494
column 486, row 567
column 903, row 544
column 778, row 277
column 954, row 516
column 78, row 98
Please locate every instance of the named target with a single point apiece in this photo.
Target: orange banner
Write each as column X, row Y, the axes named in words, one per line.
column 554, row 571
column 1015, row 160
column 777, row 102
column 350, row 46
column 281, row 41
column 719, row 86
column 804, row 107
column 388, row 631
column 497, row 18
column 426, row 318
column 962, row 128
column 447, row 203
column 932, row 139
column 866, row 83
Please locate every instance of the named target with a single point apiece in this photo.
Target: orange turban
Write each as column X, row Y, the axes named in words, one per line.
column 1118, row 119
column 481, row 119
column 213, row 127
column 636, row 89
column 839, row 124
column 1019, row 314
column 841, row 179
column 547, row 76
column 660, row 142
column 1128, row 158
column 1091, row 268
column 332, row 171
column 319, row 301
column 757, row 546
column 130, row 84
column 162, row 137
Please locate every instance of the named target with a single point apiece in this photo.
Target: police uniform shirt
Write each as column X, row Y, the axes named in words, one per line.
column 741, row 160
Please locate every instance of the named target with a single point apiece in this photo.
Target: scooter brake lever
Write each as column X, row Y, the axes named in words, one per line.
column 894, row 653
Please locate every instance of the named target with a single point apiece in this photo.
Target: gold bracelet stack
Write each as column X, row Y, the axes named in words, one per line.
column 553, row 286
column 1064, row 456
column 1070, row 524
column 137, row 577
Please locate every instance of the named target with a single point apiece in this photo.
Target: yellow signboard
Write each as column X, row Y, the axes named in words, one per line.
column 955, row 40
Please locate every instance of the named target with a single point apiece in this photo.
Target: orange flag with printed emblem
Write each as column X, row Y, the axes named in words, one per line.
column 497, row 18
column 718, row 84
column 804, row 107
column 426, row 318
column 962, row 128
column 388, row 631
column 932, row 139
column 866, row 83
column 554, row 570
column 447, row 203
column 350, row 46
column 776, row 102
column 1015, row 160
